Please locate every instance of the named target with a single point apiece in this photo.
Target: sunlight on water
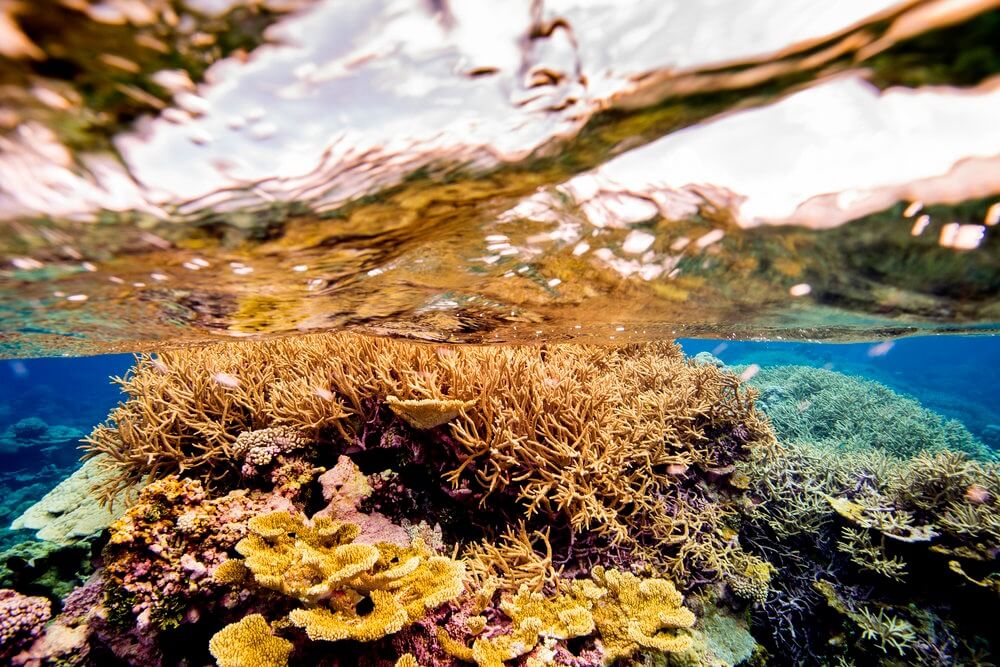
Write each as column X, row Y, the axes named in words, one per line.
column 446, row 173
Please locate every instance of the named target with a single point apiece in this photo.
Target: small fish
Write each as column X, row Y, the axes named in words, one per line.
column 325, row 394
column 977, row 494
column 226, row 380
column 676, row 469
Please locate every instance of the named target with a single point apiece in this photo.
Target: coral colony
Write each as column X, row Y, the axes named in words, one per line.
column 346, row 500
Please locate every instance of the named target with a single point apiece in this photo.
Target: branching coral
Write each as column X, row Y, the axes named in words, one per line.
column 818, row 406
column 862, row 520
column 579, row 436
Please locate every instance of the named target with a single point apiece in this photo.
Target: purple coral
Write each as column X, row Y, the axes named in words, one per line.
column 22, row 619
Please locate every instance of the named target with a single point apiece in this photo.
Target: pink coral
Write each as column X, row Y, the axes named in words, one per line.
column 344, row 487
column 162, row 553
column 22, row 619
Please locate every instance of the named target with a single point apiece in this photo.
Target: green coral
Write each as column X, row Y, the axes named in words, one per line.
column 826, row 408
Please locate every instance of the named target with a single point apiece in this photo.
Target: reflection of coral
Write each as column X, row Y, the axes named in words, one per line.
column 249, row 643
column 22, row 618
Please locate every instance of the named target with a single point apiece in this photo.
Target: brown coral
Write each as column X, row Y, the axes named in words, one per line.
column 584, row 433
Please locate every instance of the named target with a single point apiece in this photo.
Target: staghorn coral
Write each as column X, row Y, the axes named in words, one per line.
column 513, row 560
column 249, row 643
column 579, row 437
column 627, row 613
column 22, row 619
column 860, row 521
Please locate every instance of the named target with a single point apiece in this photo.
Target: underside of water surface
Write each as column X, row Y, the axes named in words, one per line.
column 180, row 172
column 536, row 333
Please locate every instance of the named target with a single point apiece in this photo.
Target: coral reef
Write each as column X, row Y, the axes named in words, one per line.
column 544, row 447
column 294, row 501
column 21, row 620
column 895, row 554
column 823, row 407
column 35, row 433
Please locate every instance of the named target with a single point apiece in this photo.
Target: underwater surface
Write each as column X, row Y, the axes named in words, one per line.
column 407, row 333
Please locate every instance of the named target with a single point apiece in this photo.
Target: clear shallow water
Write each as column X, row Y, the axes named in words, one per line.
column 790, row 191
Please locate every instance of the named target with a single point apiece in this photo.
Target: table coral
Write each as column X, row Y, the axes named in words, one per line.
column 628, row 613
column 319, row 563
column 249, row 643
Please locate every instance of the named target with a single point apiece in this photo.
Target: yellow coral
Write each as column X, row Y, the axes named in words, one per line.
column 306, row 562
column 629, row 614
column 407, row 660
column 319, row 565
column 639, row 614
column 249, row 643
column 427, row 413
column 386, row 617
column 232, row 571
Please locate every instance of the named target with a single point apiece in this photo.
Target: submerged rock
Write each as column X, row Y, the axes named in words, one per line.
column 35, row 433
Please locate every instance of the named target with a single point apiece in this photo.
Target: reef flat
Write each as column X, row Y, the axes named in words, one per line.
column 339, row 499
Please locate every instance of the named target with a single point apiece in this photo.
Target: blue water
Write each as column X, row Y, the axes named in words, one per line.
column 955, row 376
column 958, row 377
